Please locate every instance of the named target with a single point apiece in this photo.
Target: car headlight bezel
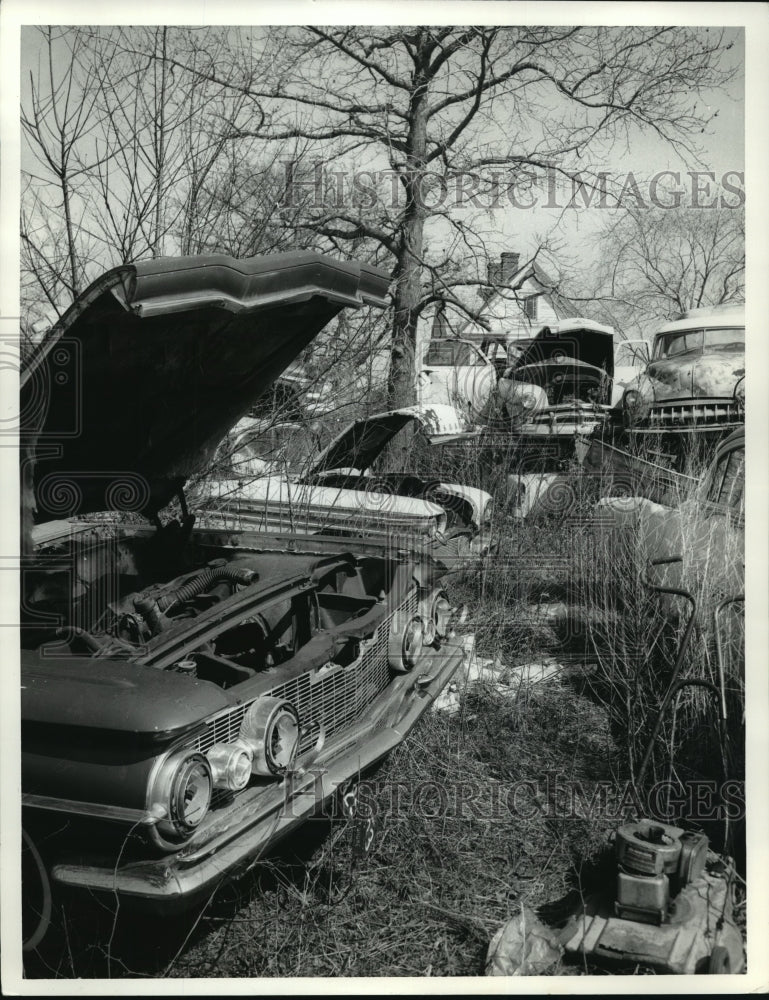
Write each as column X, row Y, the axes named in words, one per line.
column 436, row 612
column 272, row 728
column 413, row 641
column 231, row 765
column 630, row 399
column 406, row 642
column 441, row 613
column 180, row 816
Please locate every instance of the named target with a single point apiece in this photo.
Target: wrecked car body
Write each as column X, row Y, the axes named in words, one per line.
column 703, row 531
column 272, row 482
column 631, row 357
column 695, row 378
column 559, row 375
column 190, row 695
column 457, row 373
column 690, row 396
column 559, row 387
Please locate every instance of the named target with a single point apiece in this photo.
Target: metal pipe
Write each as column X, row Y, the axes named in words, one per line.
column 719, row 648
column 682, row 649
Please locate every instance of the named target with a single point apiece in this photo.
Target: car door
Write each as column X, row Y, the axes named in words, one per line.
column 457, row 373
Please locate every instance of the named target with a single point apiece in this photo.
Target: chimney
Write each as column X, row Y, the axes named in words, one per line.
column 503, row 272
column 508, row 266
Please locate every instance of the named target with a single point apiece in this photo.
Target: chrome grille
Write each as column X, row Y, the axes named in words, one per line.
column 223, row 729
column 327, row 699
column 694, row 412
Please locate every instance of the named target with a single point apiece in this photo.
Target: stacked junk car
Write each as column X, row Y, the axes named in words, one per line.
column 238, row 607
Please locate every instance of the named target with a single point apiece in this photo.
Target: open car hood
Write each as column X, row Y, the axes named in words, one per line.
column 579, row 340
column 541, row 372
column 133, row 389
column 359, row 444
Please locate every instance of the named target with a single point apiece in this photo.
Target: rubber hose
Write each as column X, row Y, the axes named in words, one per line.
column 204, row 580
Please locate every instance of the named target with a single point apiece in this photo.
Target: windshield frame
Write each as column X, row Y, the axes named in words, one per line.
column 698, row 340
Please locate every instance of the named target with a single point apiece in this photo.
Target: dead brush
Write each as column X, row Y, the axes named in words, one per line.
column 637, row 631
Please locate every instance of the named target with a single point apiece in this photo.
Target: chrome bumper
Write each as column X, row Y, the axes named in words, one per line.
column 233, row 840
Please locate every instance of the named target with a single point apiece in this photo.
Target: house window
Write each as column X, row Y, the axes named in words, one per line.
column 452, row 353
column 530, row 307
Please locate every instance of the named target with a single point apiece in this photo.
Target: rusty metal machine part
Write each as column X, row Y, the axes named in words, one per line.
column 672, row 909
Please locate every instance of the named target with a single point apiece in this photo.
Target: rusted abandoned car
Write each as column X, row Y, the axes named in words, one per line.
column 695, row 378
column 558, row 388
column 672, row 415
column 631, row 356
column 561, row 376
column 190, row 695
column 456, row 373
column 271, row 480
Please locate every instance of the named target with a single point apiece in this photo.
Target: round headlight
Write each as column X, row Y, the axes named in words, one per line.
column 406, row 643
column 739, row 393
column 435, row 611
column 271, row 728
column 413, row 640
column 183, row 789
column 629, row 397
column 441, row 615
column 231, row 765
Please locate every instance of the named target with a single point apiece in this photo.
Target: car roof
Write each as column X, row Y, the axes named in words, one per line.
column 696, row 319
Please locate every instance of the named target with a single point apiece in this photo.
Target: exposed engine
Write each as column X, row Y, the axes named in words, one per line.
column 141, row 616
column 566, row 384
column 114, row 592
column 112, row 614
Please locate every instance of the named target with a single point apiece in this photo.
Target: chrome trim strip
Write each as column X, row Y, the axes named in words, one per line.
column 92, row 809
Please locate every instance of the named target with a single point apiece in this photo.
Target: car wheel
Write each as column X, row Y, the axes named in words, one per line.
column 36, row 895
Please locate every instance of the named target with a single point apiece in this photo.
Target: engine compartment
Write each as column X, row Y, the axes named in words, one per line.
column 120, row 594
column 566, row 383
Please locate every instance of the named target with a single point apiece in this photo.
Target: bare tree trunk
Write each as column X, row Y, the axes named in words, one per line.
column 408, row 270
column 406, row 300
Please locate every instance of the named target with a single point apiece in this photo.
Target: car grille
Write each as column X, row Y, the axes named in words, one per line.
column 694, row 411
column 328, row 700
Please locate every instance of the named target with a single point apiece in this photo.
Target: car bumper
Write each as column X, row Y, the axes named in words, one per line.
column 235, row 839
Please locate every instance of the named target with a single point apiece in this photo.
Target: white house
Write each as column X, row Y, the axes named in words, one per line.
column 519, row 301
